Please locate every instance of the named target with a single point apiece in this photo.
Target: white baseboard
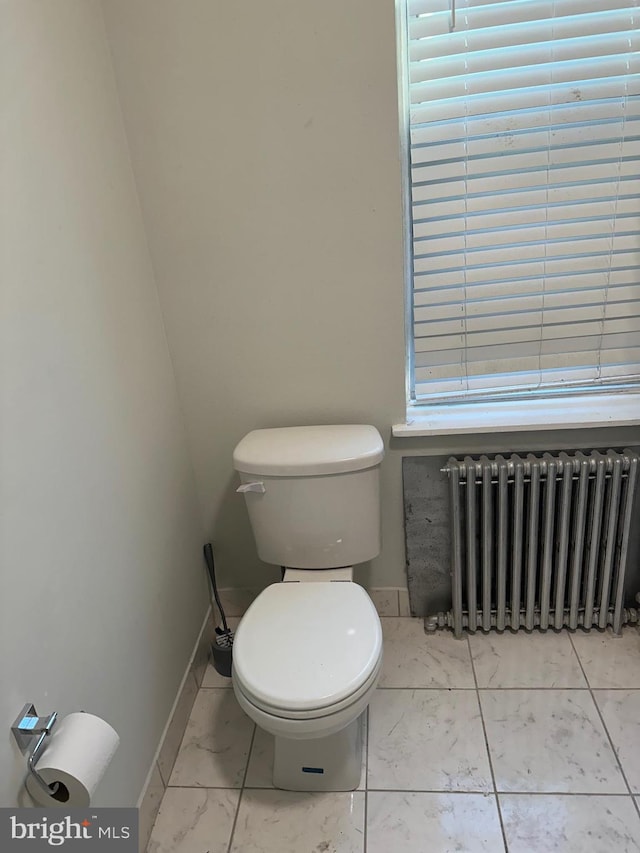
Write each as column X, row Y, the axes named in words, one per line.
column 158, row 776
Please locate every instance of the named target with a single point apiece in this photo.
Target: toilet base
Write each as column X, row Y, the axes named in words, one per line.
column 332, row 763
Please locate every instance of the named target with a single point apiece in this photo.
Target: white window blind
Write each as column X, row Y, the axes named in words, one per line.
column 525, row 196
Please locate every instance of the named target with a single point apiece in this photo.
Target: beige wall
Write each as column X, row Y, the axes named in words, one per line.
column 101, row 580
column 264, row 139
column 265, row 143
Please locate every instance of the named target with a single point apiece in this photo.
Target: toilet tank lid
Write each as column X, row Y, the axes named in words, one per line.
column 309, row 450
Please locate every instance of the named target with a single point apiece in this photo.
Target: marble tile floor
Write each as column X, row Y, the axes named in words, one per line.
column 516, row 742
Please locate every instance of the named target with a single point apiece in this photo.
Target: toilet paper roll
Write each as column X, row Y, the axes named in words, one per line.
column 77, row 754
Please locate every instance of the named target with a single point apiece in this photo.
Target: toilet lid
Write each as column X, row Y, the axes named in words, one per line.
column 306, row 646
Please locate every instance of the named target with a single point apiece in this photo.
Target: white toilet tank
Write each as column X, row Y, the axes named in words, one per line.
column 313, row 493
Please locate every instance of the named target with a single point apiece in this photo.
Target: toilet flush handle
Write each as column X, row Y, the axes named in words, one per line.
column 252, row 487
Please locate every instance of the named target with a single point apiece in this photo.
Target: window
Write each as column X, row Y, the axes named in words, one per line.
column 524, row 126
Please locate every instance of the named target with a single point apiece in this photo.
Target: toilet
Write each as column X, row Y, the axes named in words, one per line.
column 307, row 654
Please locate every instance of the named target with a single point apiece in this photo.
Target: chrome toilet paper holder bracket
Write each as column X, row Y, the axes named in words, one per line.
column 28, row 726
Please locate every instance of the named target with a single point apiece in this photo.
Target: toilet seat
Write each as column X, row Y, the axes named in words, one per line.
column 307, row 651
column 313, row 713
column 330, row 721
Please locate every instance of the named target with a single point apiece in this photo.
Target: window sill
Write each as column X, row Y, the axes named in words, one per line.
column 596, row 410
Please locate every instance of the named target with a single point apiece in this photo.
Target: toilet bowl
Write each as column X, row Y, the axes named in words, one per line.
column 307, row 654
column 307, row 657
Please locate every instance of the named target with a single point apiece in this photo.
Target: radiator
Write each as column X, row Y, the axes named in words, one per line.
column 540, row 541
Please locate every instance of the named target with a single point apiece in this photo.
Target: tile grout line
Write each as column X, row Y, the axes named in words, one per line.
column 242, row 789
column 479, row 793
column 366, row 782
column 486, row 742
column 606, row 730
column 511, row 689
column 497, row 689
column 457, row 792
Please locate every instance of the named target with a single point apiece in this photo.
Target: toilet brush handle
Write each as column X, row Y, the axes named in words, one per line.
column 208, row 556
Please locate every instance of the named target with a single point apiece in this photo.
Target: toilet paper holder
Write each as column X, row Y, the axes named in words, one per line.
column 26, row 728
